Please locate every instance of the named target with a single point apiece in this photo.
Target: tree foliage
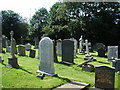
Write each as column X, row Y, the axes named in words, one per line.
column 13, row 21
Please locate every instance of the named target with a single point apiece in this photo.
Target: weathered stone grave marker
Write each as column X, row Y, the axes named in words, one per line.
column 81, row 51
column 104, row 77
column 101, row 52
column 12, row 60
column 21, row 50
column 113, row 52
column 28, row 46
column 68, row 51
column 46, row 56
column 59, row 47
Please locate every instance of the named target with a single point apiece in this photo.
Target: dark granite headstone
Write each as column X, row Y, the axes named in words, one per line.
column 116, row 64
column 32, row 53
column 101, row 52
column 104, row 77
column 68, row 51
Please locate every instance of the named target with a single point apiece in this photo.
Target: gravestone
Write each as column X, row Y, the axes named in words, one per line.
column 98, row 46
column 36, row 42
column 116, row 64
column 15, row 48
column 59, row 47
column 54, row 50
column 46, row 56
column 3, row 41
column 75, row 47
column 68, row 51
column 104, row 77
column 8, row 49
column 21, row 50
column 112, row 52
column 28, row 46
column 87, row 56
column 32, row 53
column 81, row 51
column 12, row 60
column 101, row 52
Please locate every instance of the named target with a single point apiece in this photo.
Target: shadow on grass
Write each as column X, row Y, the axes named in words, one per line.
column 99, row 56
column 103, row 62
column 4, row 64
column 26, row 70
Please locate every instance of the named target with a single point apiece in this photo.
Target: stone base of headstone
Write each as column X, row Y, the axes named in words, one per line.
column 49, row 74
column 68, row 63
column 12, row 62
column 88, row 67
column 81, row 53
column 88, row 57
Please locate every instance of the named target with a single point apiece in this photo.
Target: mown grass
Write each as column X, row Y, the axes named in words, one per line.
column 25, row 77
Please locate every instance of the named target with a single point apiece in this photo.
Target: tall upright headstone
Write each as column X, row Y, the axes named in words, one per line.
column 68, row 51
column 46, row 56
column 59, row 47
column 54, row 50
column 12, row 60
column 105, row 77
column 81, row 45
column 112, row 52
column 3, row 41
column 88, row 56
column 36, row 42
column 75, row 47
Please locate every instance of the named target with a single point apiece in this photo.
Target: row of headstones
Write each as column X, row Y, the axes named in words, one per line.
column 104, row 75
column 21, row 51
column 81, row 51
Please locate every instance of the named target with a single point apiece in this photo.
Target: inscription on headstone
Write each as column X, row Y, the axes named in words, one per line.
column 104, row 77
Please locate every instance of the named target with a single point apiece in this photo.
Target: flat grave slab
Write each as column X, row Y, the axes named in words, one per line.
column 73, row 85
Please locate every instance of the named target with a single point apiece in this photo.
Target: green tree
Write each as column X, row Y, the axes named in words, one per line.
column 13, row 21
column 38, row 21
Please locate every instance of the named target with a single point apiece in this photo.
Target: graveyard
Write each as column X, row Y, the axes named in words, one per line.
column 71, row 45
column 26, row 75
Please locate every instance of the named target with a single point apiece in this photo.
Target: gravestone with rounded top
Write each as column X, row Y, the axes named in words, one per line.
column 68, row 51
column 28, row 46
column 46, row 56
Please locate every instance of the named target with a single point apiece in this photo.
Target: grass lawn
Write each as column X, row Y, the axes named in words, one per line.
column 25, row 77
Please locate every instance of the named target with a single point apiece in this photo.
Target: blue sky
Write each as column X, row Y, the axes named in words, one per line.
column 26, row 8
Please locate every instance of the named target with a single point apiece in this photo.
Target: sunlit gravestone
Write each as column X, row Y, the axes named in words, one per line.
column 46, row 56
column 12, row 60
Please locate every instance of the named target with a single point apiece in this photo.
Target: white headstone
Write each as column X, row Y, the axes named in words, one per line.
column 46, row 56
column 87, row 49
